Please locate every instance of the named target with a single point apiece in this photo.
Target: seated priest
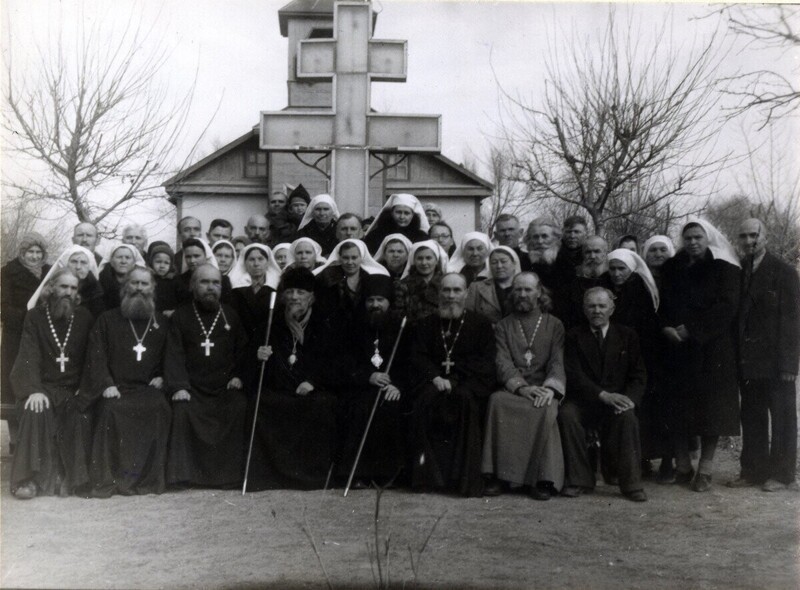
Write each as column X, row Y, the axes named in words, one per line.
column 375, row 334
column 606, row 378
column 53, row 442
column 202, row 369
column 296, row 422
column 522, row 445
column 452, row 363
column 124, row 382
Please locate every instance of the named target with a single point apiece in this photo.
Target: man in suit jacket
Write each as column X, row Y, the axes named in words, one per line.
column 768, row 351
column 605, row 381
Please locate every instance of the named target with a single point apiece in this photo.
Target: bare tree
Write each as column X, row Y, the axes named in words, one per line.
column 764, row 27
column 510, row 196
column 95, row 120
column 20, row 215
column 626, row 126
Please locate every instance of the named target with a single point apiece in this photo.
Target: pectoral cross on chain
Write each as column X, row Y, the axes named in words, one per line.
column 139, row 349
column 61, row 360
column 208, row 345
column 447, row 364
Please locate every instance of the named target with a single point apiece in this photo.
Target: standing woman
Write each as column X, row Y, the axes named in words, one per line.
column 114, row 269
column 20, row 279
column 490, row 297
column 419, row 287
column 393, row 254
column 305, row 253
column 319, row 223
column 401, row 214
column 84, row 265
column 699, row 300
column 225, row 253
column 471, row 259
column 656, row 251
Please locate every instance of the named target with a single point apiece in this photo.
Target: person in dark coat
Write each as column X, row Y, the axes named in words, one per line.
column 401, row 214
column 606, row 380
column 418, row 291
column 19, row 279
column 573, row 235
column 161, row 259
column 296, row 204
column 593, row 272
column 699, row 301
column 121, row 260
column 768, row 351
column 319, row 223
column 281, row 227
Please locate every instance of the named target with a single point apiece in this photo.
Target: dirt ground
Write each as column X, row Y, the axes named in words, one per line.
column 219, row 539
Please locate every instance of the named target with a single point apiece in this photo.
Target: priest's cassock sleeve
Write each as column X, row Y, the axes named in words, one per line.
column 96, row 375
column 476, row 369
column 176, row 376
column 27, row 371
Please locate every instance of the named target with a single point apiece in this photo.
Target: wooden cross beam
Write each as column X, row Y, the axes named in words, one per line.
column 353, row 60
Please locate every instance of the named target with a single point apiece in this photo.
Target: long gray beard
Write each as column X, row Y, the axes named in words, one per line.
column 137, row 307
column 593, row 272
column 61, row 308
column 523, row 306
column 450, row 311
column 546, row 256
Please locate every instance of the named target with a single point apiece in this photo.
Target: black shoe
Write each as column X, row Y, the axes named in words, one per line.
column 682, row 478
column 741, row 482
column 575, row 491
column 701, row 482
column 542, row 491
column 636, row 496
column 493, row 487
column 26, row 491
column 666, row 472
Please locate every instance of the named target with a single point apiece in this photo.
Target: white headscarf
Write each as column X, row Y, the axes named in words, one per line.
column 316, row 247
column 635, row 262
column 308, row 215
column 210, row 258
column 63, row 262
column 137, row 256
column 219, row 243
column 241, row 278
column 511, row 253
column 433, row 245
column 457, row 262
column 368, row 263
column 405, row 200
column 659, row 239
column 719, row 245
column 392, row 238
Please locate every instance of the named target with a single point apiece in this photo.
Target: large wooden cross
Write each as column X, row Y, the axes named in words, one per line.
column 353, row 60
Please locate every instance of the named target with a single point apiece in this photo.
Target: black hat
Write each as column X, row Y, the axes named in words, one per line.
column 379, row 285
column 299, row 192
column 159, row 247
column 298, row 278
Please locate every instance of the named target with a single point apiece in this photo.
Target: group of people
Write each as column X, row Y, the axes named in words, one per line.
column 389, row 353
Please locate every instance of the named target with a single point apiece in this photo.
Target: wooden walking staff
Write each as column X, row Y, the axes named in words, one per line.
column 258, row 395
column 374, row 407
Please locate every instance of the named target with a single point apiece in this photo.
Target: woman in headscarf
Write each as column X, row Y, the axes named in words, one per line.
column 339, row 283
column 305, row 253
column 225, row 253
column 471, row 258
column 254, row 278
column 319, row 223
column 433, row 212
column 114, row 269
column 161, row 259
column 20, row 279
column 393, row 254
column 699, row 301
column 281, row 253
column 83, row 263
column 491, row 297
column 656, row 251
column 401, row 214
column 418, row 292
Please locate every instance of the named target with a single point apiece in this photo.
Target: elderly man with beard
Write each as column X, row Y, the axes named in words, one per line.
column 124, row 382
column 54, row 437
column 202, row 369
column 375, row 332
column 452, row 363
column 542, row 239
column 522, row 445
column 296, row 423
column 593, row 272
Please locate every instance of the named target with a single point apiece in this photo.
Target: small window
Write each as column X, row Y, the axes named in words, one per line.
column 321, row 34
column 255, row 164
column 397, row 167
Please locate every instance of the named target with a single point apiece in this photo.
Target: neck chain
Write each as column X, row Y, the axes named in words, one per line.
column 293, row 356
column 377, row 359
column 140, row 348
column 62, row 358
column 448, row 364
column 529, row 353
column 207, row 344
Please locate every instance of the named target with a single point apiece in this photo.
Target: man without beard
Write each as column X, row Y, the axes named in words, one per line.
column 257, row 229
column 606, row 378
column 135, row 235
column 507, row 232
column 593, row 272
column 85, row 234
column 374, row 333
column 54, row 438
column 296, row 425
column 124, row 381
column 573, row 236
column 452, row 362
column 202, row 368
column 522, row 445
column 281, row 228
column 768, row 350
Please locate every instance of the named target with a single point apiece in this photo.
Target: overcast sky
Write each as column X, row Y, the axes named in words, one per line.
column 458, row 53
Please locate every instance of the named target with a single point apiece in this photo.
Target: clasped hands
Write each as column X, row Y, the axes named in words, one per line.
column 113, row 392
column 676, row 335
column 384, row 381
column 540, row 396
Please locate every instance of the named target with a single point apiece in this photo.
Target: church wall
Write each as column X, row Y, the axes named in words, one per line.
column 285, row 169
column 459, row 213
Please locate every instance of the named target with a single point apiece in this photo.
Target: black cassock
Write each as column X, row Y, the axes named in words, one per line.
column 296, row 434
column 385, row 448
column 52, row 444
column 252, row 307
column 129, row 450
column 206, row 445
column 447, row 427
